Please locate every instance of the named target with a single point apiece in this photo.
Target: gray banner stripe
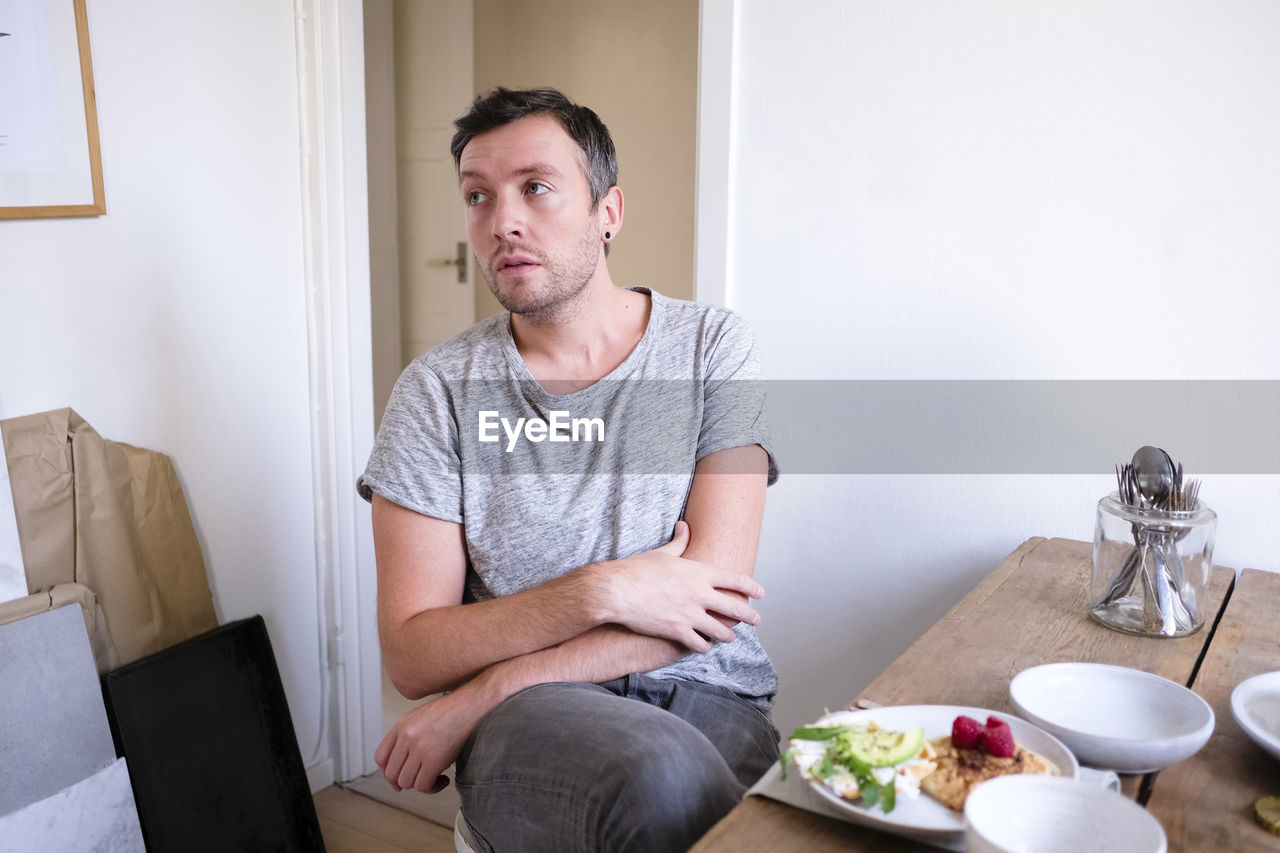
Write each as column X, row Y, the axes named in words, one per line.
column 1022, row 426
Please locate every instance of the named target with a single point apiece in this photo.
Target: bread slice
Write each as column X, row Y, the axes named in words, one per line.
column 961, row 770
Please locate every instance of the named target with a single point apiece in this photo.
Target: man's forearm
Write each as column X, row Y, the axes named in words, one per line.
column 427, row 740
column 439, row 648
column 653, row 594
column 603, row 653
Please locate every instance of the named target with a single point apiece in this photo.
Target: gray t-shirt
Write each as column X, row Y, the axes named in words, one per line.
column 544, row 483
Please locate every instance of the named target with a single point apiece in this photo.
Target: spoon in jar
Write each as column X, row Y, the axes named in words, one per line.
column 1155, row 473
column 1156, row 479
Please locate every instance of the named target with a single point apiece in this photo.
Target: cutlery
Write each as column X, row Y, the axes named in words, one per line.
column 1152, row 483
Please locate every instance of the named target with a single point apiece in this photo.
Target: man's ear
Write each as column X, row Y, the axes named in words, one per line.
column 610, row 214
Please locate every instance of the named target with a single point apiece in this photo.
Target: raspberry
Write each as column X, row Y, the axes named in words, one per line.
column 997, row 739
column 965, row 732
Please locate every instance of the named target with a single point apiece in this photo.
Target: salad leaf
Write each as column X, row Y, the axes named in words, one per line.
column 820, row 732
column 888, row 793
column 785, row 759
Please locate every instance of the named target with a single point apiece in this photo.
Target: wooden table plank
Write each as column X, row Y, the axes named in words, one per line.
column 1033, row 610
column 1030, row 610
column 761, row 825
column 1206, row 802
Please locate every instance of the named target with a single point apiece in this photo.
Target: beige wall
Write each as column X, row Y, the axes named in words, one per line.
column 636, row 65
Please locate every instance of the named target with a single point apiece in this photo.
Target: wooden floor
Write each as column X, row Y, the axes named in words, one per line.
column 352, row 823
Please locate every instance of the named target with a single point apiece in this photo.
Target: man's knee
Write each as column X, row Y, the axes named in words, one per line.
column 667, row 794
column 636, row 777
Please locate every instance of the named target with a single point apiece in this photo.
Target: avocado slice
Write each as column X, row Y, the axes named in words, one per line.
column 881, row 748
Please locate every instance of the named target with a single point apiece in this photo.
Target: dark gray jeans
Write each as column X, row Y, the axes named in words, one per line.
column 634, row 764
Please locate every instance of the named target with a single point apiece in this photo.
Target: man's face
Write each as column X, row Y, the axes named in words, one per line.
column 530, row 220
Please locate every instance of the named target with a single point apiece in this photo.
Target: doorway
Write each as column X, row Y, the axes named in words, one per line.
column 636, row 64
column 419, row 75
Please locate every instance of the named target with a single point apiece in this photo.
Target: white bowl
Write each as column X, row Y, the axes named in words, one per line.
column 1114, row 717
column 1049, row 814
column 1255, row 703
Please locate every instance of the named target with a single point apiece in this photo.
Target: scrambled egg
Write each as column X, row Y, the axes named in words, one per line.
column 906, row 776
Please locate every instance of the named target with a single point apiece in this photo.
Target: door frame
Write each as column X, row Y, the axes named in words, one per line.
column 330, row 36
column 335, row 225
column 714, row 159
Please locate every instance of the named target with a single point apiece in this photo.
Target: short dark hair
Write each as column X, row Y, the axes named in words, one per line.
column 503, row 106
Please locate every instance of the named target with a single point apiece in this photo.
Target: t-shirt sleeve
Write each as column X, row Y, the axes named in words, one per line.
column 734, row 411
column 415, row 460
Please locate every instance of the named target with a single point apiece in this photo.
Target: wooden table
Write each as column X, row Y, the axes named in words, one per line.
column 1206, row 802
column 1031, row 610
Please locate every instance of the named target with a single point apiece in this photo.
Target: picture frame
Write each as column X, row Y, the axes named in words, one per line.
column 50, row 158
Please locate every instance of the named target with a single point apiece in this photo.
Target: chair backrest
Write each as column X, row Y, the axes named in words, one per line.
column 462, row 840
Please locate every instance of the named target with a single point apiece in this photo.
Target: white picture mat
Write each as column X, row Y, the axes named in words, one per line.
column 42, row 104
column 96, row 813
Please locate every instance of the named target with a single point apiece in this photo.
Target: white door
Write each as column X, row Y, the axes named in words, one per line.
column 434, row 84
column 432, row 70
column 419, row 77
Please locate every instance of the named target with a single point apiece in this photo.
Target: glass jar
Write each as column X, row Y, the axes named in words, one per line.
column 1151, row 568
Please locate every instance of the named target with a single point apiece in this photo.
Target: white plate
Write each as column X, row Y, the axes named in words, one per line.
column 924, row 816
column 1255, row 703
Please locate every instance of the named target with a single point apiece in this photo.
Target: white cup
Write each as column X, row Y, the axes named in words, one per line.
column 1050, row 814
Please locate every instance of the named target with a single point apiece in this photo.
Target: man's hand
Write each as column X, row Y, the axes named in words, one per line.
column 425, row 741
column 661, row 594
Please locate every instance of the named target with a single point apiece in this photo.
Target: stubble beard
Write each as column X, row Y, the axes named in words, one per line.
column 564, row 281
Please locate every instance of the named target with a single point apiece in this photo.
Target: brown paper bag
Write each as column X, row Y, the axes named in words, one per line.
column 112, row 518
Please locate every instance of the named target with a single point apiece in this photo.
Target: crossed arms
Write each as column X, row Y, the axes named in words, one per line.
column 594, row 623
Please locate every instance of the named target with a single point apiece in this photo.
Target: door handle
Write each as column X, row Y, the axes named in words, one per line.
column 459, row 260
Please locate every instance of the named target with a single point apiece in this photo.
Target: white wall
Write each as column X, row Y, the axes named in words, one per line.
column 177, row 322
column 948, row 191
column 991, row 190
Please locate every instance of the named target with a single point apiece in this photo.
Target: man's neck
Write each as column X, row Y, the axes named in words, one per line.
column 587, row 341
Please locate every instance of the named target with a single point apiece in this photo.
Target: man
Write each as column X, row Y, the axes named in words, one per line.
column 605, row 687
